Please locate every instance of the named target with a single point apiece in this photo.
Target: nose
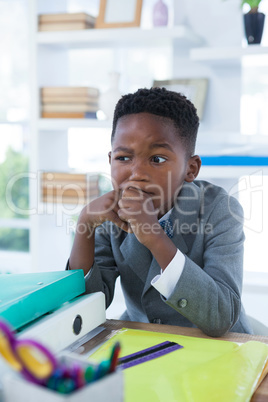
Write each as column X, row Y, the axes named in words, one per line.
column 138, row 172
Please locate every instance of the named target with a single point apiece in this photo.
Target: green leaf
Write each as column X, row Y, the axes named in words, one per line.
column 251, row 3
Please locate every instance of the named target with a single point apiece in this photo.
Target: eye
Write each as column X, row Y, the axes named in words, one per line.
column 158, row 159
column 122, row 158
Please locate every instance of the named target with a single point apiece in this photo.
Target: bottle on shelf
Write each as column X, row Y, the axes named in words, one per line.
column 160, row 14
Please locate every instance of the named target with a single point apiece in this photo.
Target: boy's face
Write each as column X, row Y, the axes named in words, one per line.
column 148, row 156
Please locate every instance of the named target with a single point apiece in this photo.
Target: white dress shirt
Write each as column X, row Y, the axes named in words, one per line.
column 166, row 281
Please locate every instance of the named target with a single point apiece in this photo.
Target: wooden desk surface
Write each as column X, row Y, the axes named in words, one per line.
column 261, row 394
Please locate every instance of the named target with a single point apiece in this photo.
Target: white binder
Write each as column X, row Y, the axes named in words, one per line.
column 68, row 323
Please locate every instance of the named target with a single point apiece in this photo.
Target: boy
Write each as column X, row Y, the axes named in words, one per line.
column 176, row 243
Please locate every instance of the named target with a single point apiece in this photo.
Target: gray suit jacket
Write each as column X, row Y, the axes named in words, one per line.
column 208, row 230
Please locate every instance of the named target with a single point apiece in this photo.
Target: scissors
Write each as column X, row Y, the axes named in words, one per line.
column 33, row 360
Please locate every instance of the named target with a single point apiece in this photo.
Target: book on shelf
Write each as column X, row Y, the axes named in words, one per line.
column 69, row 102
column 66, row 22
column 65, row 200
column 66, row 17
column 70, row 107
column 69, row 188
column 67, row 192
column 69, row 99
column 64, row 26
column 64, row 176
column 70, row 115
column 70, row 91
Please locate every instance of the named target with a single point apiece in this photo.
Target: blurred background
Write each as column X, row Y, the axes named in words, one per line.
column 200, row 48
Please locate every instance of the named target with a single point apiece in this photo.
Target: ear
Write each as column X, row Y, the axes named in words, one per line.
column 193, row 167
column 110, row 156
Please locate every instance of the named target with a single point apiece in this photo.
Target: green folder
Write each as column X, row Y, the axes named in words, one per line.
column 25, row 297
column 203, row 370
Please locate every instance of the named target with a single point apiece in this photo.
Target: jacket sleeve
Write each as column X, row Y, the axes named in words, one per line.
column 102, row 276
column 210, row 295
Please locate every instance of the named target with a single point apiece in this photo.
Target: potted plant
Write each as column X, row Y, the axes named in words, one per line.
column 253, row 21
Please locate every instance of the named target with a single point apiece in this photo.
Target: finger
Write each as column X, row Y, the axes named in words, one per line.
column 129, row 209
column 119, row 222
column 133, row 195
column 115, row 195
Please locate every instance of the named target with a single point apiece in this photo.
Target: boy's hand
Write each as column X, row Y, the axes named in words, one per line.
column 94, row 214
column 136, row 207
column 103, row 209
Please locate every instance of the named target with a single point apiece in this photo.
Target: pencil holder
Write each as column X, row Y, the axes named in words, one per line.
column 103, row 388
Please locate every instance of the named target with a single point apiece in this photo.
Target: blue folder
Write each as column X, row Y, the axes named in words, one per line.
column 25, row 297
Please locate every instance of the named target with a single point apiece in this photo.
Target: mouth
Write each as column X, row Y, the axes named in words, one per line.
column 138, row 189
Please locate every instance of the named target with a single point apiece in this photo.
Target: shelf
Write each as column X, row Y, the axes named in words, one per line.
column 19, row 122
column 226, row 54
column 120, row 37
column 65, row 124
column 230, row 172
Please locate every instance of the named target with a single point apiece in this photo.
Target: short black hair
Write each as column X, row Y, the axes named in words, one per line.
column 164, row 103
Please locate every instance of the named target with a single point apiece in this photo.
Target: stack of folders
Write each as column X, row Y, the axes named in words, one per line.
column 26, row 297
column 69, row 188
column 65, row 22
column 69, row 102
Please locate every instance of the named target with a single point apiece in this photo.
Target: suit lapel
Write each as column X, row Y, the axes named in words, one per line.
column 136, row 255
column 186, row 212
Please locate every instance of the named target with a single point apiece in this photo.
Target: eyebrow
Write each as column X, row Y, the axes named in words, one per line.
column 162, row 145
column 123, row 149
column 152, row 146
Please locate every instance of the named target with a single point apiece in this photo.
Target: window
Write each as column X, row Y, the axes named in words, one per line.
column 14, row 109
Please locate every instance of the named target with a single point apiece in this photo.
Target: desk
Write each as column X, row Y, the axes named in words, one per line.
column 261, row 394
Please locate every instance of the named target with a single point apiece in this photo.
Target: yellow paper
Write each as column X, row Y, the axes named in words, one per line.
column 205, row 369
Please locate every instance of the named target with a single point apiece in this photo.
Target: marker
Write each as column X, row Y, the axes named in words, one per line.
column 54, row 379
column 102, row 369
column 78, row 376
column 114, row 357
column 89, row 374
column 66, row 385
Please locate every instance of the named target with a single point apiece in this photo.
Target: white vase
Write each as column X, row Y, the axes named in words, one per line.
column 109, row 98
